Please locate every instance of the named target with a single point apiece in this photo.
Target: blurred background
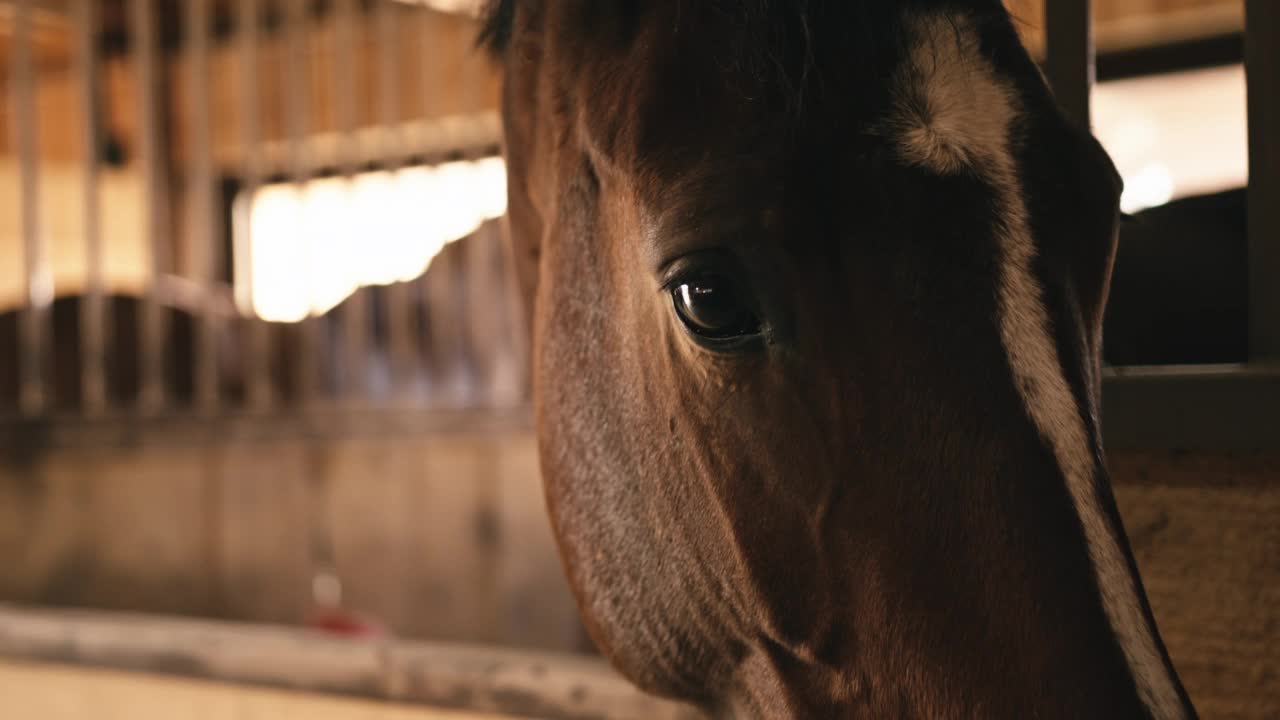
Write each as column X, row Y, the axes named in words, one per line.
column 261, row 359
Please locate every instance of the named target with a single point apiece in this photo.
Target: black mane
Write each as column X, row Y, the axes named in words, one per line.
column 497, row 19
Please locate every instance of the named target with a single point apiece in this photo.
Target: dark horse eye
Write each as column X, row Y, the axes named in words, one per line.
column 712, row 307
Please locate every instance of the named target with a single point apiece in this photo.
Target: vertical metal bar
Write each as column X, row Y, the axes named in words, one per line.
column 256, row 367
column 478, row 352
column 199, row 238
column 482, row 327
column 1262, row 64
column 151, row 365
column 355, row 311
column 297, row 105
column 423, row 285
column 1069, row 54
column 34, row 397
column 94, row 318
column 400, row 331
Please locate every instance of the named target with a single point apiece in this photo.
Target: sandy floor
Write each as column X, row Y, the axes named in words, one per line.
column 57, row 692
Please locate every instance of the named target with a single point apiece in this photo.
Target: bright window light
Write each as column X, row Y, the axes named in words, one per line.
column 1176, row 134
column 304, row 248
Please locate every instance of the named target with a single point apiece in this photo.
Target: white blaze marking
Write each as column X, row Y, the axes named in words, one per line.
column 952, row 115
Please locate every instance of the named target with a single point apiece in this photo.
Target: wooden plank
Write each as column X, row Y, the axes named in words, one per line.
column 405, row 515
column 544, row 685
column 110, row 530
column 259, row 545
column 537, row 607
column 1262, row 64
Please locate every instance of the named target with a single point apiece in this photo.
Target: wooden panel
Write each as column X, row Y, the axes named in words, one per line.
column 260, row 560
column 404, row 515
column 537, row 609
column 112, row 530
column 1205, row 530
column 434, row 535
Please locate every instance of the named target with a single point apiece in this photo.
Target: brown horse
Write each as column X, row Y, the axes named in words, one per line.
column 816, row 292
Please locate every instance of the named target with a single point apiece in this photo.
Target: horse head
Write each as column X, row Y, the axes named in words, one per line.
column 816, row 292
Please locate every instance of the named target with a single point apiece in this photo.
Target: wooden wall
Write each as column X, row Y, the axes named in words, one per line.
column 438, row 72
column 442, row 535
column 438, row 536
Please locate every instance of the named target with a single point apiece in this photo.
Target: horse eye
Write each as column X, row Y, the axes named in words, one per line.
column 712, row 307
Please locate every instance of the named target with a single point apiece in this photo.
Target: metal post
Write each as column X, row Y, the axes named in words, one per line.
column 404, row 359
column 199, row 238
column 94, row 316
column 1262, row 64
column 355, row 310
column 297, row 105
column 256, row 366
column 151, row 363
column 1069, row 53
column 33, row 337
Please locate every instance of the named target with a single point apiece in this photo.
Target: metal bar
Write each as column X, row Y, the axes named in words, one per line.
column 1070, row 56
column 433, row 287
column 484, row 344
column 401, row 345
column 94, row 315
column 199, row 237
column 1262, row 65
column 33, row 339
column 355, row 310
column 476, row 350
column 151, row 363
column 1200, row 408
column 257, row 370
column 297, row 103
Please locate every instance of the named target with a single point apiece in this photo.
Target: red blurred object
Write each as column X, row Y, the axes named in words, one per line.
column 338, row 621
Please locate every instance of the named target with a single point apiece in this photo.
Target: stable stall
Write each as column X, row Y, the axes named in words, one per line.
column 262, row 455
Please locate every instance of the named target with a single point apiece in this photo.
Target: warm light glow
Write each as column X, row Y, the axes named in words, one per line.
column 462, row 7
column 310, row 246
column 1147, row 188
column 1175, row 135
